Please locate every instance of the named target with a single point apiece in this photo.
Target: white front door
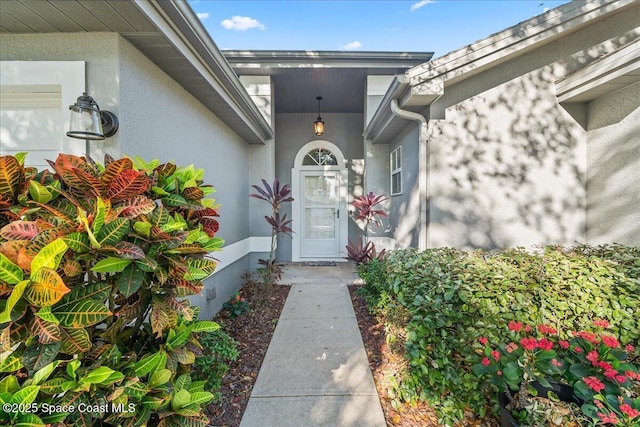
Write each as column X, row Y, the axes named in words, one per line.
column 320, row 197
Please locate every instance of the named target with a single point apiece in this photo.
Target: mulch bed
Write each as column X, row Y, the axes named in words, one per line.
column 253, row 331
column 384, row 364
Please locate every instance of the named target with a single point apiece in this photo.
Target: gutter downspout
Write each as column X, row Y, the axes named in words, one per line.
column 423, row 162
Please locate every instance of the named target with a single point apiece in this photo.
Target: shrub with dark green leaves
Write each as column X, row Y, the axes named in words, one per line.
column 454, row 297
column 218, row 349
column 373, row 275
column 236, row 306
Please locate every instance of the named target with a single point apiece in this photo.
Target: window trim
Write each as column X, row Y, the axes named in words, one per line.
column 62, row 80
column 395, row 169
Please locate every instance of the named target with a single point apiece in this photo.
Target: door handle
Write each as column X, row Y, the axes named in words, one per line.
column 338, row 213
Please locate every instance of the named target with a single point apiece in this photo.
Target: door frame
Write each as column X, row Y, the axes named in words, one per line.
column 296, row 206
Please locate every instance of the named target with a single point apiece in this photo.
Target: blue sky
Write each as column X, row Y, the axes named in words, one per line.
column 423, row 26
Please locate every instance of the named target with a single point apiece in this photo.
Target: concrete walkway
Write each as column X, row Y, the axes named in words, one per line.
column 315, row 372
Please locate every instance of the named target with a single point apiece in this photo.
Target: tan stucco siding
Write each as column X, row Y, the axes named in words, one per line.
column 507, row 166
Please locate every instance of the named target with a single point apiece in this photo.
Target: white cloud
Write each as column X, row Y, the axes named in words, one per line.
column 203, row 15
column 352, row 45
column 242, row 23
column 420, row 4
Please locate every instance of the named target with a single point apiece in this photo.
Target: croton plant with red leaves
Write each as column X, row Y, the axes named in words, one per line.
column 94, row 263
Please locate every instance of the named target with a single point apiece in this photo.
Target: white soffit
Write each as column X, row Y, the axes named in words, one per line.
column 610, row 73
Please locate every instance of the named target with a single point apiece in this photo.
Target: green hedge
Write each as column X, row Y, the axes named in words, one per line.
column 453, row 297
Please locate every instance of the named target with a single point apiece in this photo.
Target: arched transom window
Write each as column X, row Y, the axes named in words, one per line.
column 319, row 157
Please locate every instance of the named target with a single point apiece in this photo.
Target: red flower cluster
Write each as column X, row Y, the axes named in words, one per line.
column 608, row 418
column 589, row 336
column 547, row 329
column 529, row 343
column 601, row 323
column 594, row 384
column 611, row 417
column 545, row 344
column 629, row 411
column 594, row 357
column 514, row 326
column 633, row 375
column 610, row 341
column 601, row 351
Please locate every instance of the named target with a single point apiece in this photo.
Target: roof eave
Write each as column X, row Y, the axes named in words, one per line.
column 381, row 120
column 324, row 59
column 612, row 72
column 180, row 26
column 384, row 125
column 425, row 83
column 516, row 40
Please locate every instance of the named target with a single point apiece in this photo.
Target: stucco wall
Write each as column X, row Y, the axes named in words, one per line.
column 158, row 119
column 405, row 208
column 613, row 174
column 98, row 50
column 508, row 168
column 508, row 165
column 295, row 130
column 163, row 121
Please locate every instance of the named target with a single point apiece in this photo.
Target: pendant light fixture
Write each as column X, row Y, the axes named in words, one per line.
column 318, row 125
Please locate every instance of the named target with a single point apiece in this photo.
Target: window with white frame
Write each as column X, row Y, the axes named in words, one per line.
column 396, row 171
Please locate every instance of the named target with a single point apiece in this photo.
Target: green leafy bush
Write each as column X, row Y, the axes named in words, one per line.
column 94, row 263
column 455, row 297
column 236, row 306
column 374, row 277
column 211, row 364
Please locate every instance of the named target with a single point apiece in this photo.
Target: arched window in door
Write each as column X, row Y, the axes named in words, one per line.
column 319, row 187
column 319, row 157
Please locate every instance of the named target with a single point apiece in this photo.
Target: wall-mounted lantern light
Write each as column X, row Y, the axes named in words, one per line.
column 88, row 122
column 318, row 125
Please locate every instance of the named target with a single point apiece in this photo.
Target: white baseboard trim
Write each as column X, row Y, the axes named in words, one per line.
column 235, row 251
